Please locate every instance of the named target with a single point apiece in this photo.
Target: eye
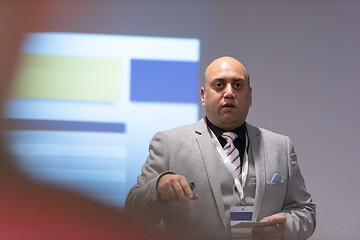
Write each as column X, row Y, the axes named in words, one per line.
column 218, row 85
column 237, row 85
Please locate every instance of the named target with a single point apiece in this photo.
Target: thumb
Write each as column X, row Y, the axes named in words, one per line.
column 277, row 218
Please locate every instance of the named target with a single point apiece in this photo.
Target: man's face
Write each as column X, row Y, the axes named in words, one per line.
column 226, row 94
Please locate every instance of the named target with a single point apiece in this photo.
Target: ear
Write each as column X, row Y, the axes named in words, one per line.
column 202, row 93
column 250, row 96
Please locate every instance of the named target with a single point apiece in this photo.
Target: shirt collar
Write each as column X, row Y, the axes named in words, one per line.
column 240, row 131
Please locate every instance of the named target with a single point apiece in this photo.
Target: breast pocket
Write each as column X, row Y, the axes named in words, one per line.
column 276, row 190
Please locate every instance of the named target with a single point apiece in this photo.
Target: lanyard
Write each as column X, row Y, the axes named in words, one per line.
column 245, row 166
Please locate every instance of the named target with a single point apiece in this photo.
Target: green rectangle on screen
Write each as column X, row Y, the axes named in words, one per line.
column 68, row 78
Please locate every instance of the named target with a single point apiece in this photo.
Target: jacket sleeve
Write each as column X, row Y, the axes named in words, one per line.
column 298, row 209
column 143, row 200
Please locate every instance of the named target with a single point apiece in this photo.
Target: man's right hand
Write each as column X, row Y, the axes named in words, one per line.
column 172, row 187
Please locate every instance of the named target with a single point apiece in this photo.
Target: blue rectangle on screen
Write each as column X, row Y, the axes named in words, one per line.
column 58, row 125
column 164, row 81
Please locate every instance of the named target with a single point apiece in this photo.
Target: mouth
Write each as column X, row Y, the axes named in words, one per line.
column 228, row 105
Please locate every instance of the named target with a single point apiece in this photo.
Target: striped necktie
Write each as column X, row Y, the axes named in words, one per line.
column 231, row 151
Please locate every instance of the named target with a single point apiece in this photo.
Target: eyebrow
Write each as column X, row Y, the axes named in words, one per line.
column 233, row 80
column 239, row 80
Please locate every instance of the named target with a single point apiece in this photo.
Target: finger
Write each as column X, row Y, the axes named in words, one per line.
column 186, row 188
column 277, row 218
column 168, row 194
column 180, row 194
column 172, row 193
column 280, row 219
column 195, row 197
column 265, row 219
column 163, row 192
column 165, row 187
column 266, row 229
column 273, row 231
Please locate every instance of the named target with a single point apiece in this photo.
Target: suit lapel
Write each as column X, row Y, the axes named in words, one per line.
column 254, row 135
column 210, row 156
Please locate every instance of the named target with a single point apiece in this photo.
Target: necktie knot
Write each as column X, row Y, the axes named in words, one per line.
column 229, row 136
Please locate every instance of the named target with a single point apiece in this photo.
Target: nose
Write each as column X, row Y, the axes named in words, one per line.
column 228, row 92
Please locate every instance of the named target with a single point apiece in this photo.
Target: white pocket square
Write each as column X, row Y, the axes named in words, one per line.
column 276, row 178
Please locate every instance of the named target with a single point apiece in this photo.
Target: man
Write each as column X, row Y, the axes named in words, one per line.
column 270, row 183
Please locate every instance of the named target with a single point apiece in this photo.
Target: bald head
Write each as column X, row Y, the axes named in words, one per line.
column 226, row 94
column 225, row 62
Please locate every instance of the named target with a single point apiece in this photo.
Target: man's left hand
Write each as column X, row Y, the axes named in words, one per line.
column 274, row 231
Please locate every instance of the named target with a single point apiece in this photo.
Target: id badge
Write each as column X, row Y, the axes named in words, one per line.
column 241, row 214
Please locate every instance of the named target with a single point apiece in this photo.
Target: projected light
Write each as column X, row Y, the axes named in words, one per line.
column 85, row 106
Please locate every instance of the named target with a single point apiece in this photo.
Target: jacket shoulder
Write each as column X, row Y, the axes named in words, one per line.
column 266, row 134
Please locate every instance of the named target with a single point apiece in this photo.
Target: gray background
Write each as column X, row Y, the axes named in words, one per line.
column 304, row 62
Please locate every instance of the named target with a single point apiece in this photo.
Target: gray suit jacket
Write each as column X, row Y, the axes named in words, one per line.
column 189, row 151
